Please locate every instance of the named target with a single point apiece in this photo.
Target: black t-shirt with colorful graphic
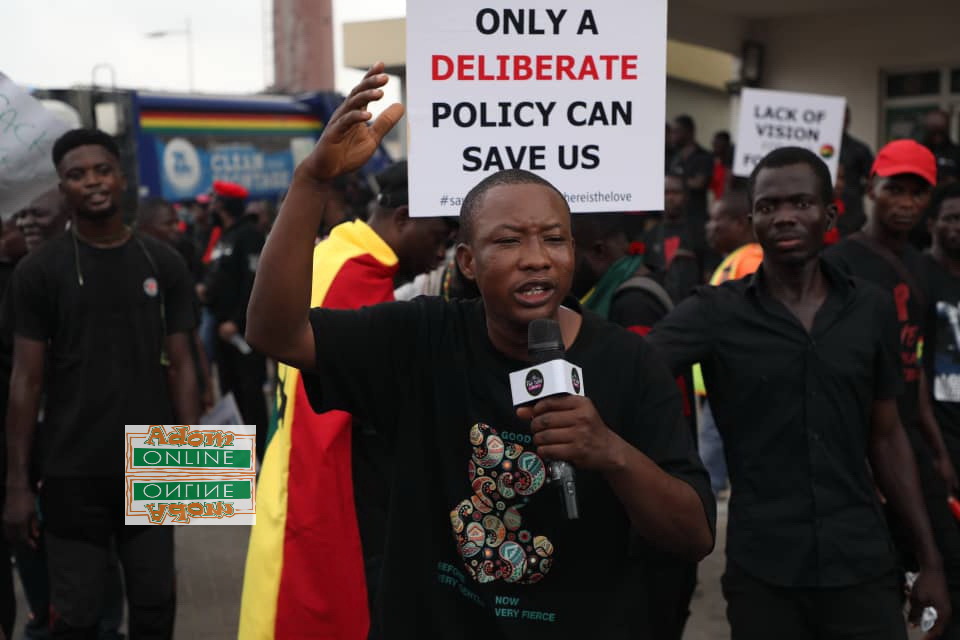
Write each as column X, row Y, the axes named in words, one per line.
column 477, row 545
column 942, row 350
column 105, row 340
column 856, row 258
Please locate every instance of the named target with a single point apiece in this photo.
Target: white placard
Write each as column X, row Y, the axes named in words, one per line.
column 773, row 119
column 225, row 411
column 573, row 91
column 27, row 133
column 544, row 380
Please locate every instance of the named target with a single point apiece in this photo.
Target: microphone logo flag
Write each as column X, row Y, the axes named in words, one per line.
column 544, row 380
column 534, row 382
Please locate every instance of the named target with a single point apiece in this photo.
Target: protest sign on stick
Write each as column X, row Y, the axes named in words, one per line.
column 27, row 133
column 573, row 92
column 773, row 119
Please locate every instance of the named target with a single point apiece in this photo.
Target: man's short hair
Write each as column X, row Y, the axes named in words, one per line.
column 149, row 209
column 787, row 157
column 235, row 207
column 735, row 204
column 505, row 177
column 392, row 185
column 80, row 138
column 686, row 122
column 589, row 228
column 940, row 195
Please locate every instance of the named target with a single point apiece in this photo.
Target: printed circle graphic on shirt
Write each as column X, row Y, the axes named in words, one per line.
column 505, row 485
column 150, row 287
column 496, row 531
column 534, row 382
column 485, row 487
column 493, row 453
column 514, row 561
column 457, row 517
column 487, row 526
column 181, row 165
column 532, row 475
column 475, row 535
column 512, row 520
column 543, row 546
column 480, row 505
column 575, row 380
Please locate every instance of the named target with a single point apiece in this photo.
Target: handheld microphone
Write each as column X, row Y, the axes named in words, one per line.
column 545, row 344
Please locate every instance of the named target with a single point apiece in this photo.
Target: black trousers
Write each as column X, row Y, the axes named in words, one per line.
column 670, row 587
column 946, row 531
column 757, row 610
column 83, row 517
column 244, row 376
column 8, row 602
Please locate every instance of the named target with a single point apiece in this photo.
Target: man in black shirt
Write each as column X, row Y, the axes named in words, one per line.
column 612, row 281
column 606, row 260
column 696, row 165
column 856, row 160
column 901, row 181
column 900, row 184
column 156, row 217
column 673, row 245
column 12, row 248
column 802, row 366
column 227, row 290
column 936, row 137
column 113, row 312
column 942, row 329
column 477, row 545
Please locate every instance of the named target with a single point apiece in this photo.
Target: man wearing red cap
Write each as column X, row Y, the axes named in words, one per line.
column 229, row 281
column 901, row 182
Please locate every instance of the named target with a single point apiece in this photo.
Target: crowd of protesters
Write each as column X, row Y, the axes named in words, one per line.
column 800, row 357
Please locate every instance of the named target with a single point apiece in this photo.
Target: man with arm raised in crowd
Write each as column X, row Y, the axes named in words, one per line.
column 477, row 546
column 305, row 568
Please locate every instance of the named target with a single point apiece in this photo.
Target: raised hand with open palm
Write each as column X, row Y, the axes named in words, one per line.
column 348, row 141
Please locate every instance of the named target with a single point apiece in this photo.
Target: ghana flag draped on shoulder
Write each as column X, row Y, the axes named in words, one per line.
column 305, row 575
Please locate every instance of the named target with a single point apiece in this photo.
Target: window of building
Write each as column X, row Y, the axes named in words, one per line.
column 911, row 93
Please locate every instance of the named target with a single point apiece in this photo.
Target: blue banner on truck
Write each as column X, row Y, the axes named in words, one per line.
column 189, row 166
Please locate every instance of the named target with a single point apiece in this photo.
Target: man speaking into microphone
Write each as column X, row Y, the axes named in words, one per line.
column 479, row 545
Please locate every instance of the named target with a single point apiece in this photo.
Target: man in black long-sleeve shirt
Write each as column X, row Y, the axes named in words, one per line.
column 803, row 369
column 228, row 285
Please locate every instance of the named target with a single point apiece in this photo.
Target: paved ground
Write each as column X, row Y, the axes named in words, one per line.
column 708, row 618
column 209, row 582
column 210, row 574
